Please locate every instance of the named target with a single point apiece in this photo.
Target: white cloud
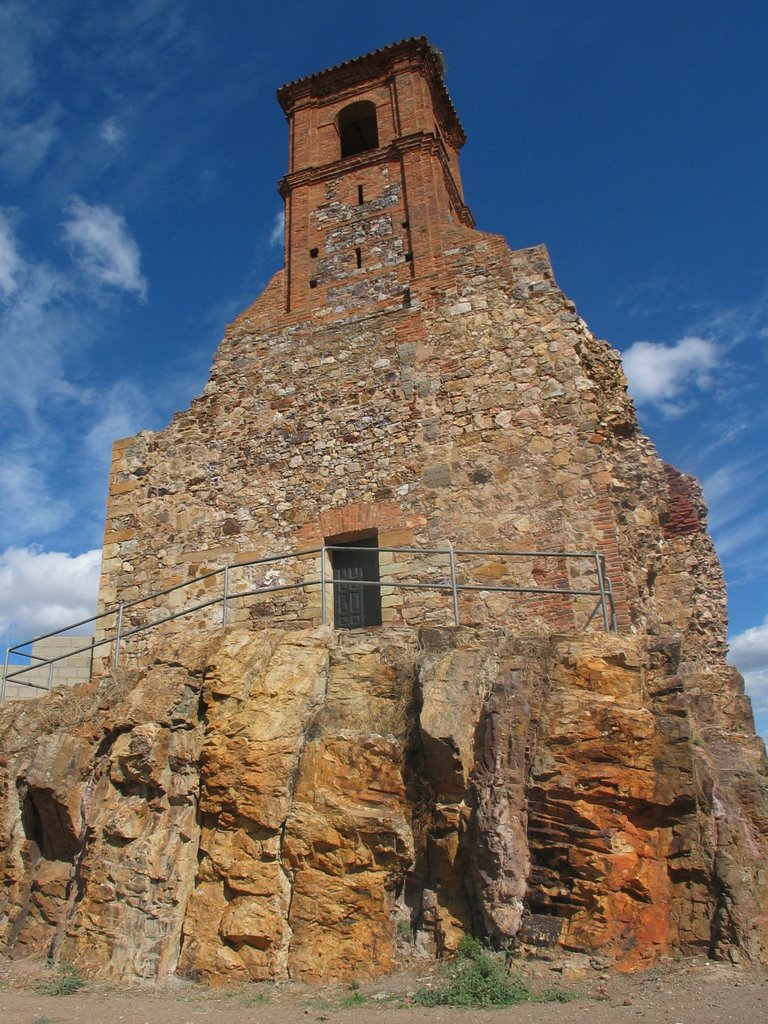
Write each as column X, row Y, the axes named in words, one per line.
column 663, row 375
column 103, row 246
column 10, row 261
column 45, row 590
column 278, row 229
column 749, row 653
column 112, row 132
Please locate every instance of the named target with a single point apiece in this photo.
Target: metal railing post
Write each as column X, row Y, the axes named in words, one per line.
column 118, row 635
column 50, row 675
column 452, row 560
column 601, row 587
column 225, row 596
column 611, row 600
column 5, row 674
column 323, row 609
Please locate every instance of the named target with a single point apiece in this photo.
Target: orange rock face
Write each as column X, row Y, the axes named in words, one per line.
column 271, row 805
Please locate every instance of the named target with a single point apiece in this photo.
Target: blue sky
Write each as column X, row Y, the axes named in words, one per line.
column 140, row 147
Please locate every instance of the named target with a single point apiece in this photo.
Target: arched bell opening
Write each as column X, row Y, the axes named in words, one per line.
column 358, row 128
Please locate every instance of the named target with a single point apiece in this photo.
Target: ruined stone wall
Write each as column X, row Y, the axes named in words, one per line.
column 481, row 412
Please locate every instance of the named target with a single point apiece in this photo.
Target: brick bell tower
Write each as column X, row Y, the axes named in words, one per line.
column 373, row 179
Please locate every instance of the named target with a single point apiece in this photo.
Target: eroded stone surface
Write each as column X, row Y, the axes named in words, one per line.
column 269, row 804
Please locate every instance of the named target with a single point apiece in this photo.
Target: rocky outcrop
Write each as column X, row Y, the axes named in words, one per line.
column 270, row 804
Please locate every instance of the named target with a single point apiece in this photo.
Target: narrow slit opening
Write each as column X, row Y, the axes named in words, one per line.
column 360, row 199
column 358, row 258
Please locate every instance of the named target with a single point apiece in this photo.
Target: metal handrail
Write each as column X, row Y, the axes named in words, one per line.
column 604, row 593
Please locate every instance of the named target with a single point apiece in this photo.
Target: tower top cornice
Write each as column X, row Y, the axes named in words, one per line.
column 375, row 65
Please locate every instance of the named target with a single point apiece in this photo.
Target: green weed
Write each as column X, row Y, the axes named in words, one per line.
column 259, row 999
column 554, row 994
column 479, row 977
column 353, row 999
column 66, row 980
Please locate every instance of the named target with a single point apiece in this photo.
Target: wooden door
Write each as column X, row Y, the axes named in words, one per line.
column 354, row 604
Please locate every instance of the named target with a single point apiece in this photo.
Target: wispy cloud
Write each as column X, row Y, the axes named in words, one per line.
column 23, row 26
column 45, row 590
column 57, row 431
column 749, row 653
column 24, row 145
column 661, row 375
column 278, row 229
column 126, row 410
column 10, row 262
column 29, row 506
column 103, row 246
column 37, row 308
column 737, row 496
column 731, row 488
column 27, row 123
column 137, row 40
column 112, row 132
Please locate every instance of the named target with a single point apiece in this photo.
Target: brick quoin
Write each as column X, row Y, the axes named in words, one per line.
column 683, row 515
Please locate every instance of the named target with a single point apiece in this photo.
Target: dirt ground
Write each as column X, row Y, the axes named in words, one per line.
column 693, row 991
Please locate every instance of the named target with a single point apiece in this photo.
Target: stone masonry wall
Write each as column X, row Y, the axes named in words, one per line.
column 481, row 413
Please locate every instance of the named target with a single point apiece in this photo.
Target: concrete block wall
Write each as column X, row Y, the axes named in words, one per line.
column 73, row 669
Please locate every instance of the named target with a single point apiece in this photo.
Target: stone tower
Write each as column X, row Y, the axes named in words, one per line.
column 408, row 381
column 415, row 412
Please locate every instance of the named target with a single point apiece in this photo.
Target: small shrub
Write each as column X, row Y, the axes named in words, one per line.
column 66, row 980
column 355, row 998
column 406, row 932
column 479, row 977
